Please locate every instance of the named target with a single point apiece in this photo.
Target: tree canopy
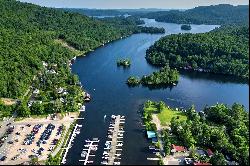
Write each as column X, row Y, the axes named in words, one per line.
column 27, row 37
column 224, row 50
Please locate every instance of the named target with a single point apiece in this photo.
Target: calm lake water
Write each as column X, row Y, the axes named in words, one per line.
column 105, row 82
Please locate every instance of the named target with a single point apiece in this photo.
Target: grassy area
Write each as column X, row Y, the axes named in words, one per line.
column 61, row 138
column 167, row 114
column 164, row 112
column 66, row 45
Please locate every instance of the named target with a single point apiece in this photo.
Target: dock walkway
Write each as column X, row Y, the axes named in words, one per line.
column 112, row 151
column 91, row 146
column 70, row 142
column 114, row 141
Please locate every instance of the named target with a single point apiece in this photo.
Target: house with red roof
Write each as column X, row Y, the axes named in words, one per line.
column 175, row 148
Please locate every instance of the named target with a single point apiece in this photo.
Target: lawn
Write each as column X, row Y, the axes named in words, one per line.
column 167, row 114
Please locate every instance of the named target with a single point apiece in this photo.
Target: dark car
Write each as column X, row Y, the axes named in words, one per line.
column 3, row 158
column 8, row 124
column 10, row 142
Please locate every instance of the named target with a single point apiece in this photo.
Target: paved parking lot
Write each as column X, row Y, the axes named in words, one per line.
column 17, row 152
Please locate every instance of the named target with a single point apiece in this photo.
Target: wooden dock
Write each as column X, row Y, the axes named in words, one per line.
column 91, row 146
column 114, row 146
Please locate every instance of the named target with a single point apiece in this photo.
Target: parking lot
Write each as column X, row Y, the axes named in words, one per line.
column 22, row 141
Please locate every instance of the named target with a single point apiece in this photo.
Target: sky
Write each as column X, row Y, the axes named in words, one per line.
column 130, row 4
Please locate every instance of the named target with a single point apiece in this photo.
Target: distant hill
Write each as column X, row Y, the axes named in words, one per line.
column 112, row 12
column 215, row 14
column 95, row 12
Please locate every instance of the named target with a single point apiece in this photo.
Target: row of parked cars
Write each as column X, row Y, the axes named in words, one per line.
column 46, row 134
column 30, row 138
column 6, row 134
column 59, row 130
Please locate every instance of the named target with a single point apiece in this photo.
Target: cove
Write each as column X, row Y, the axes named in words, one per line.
column 101, row 77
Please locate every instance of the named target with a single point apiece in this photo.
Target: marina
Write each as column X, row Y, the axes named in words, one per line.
column 114, row 143
column 88, row 151
column 105, row 82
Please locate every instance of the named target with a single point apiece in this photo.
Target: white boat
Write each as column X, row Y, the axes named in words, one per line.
column 96, row 139
column 104, row 162
column 84, row 154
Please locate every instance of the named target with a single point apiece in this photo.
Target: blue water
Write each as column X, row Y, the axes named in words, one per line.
column 110, row 95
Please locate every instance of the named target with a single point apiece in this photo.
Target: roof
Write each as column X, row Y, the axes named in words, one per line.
column 209, row 152
column 178, row 148
column 151, row 134
column 199, row 163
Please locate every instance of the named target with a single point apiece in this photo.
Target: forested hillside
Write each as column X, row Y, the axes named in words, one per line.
column 217, row 15
column 95, row 12
column 224, row 50
column 27, row 35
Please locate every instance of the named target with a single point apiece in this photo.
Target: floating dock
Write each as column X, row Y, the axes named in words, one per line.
column 75, row 132
column 112, row 151
column 87, row 152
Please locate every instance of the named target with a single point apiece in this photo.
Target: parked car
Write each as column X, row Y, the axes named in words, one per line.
column 10, row 142
column 8, row 124
column 3, row 158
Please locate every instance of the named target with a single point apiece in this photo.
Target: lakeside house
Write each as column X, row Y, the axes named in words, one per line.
column 175, row 148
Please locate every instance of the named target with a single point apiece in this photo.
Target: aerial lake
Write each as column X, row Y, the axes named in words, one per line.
column 110, row 95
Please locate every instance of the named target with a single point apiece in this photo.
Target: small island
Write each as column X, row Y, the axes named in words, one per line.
column 124, row 62
column 166, row 76
column 186, row 27
column 133, row 81
column 151, row 30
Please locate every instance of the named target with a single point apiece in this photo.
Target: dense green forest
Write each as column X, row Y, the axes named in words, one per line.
column 131, row 23
column 95, row 12
column 224, row 50
column 165, row 76
column 162, row 78
column 223, row 129
column 27, row 34
column 217, row 15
